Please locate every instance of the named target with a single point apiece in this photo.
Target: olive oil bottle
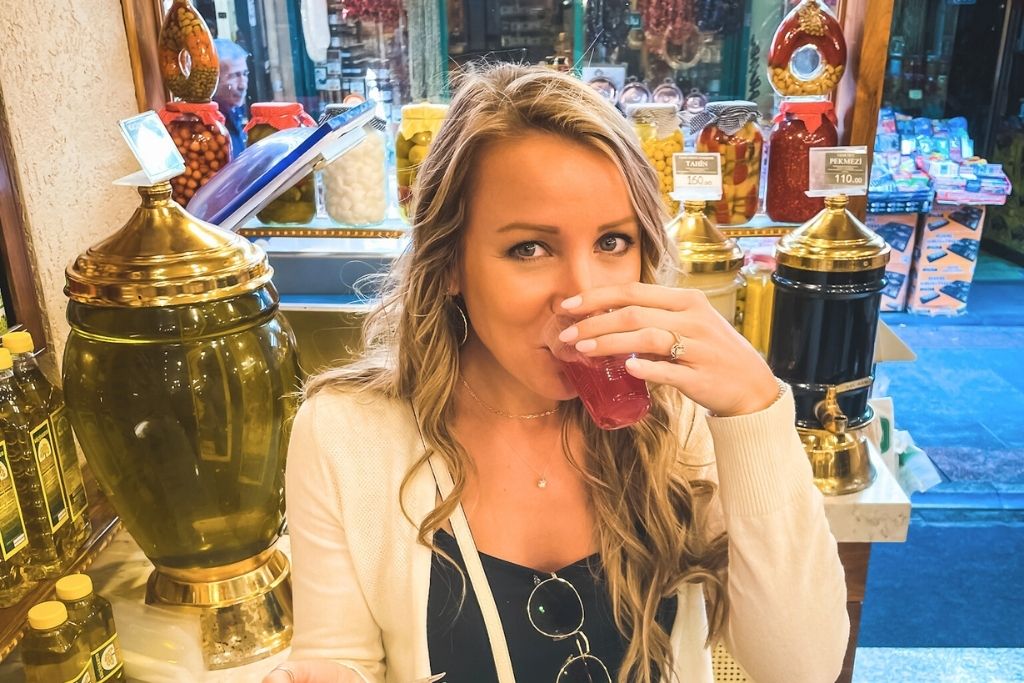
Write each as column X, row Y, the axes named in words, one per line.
column 52, row 650
column 30, row 380
column 93, row 614
column 14, row 584
column 26, row 432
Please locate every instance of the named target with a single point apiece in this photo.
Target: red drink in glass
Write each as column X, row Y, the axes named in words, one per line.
column 613, row 397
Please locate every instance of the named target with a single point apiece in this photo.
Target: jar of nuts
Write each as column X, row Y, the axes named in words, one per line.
column 188, row 61
column 807, row 56
column 657, row 126
column 420, row 124
column 297, row 204
column 199, row 134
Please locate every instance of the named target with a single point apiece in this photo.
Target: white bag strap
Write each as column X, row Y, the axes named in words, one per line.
column 477, row 578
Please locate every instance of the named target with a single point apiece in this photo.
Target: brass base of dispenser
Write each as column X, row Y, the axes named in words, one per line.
column 840, row 462
column 245, row 608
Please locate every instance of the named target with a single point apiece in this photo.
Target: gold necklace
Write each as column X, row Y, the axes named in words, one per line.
column 542, row 480
column 501, row 413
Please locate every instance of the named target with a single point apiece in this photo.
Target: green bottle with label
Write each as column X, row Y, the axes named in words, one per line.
column 94, row 615
column 30, row 380
column 14, row 584
column 26, row 432
column 53, row 651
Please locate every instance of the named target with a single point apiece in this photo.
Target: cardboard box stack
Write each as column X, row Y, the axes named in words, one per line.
column 899, row 230
column 944, row 259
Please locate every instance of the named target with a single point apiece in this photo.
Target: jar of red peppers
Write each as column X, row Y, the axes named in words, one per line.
column 731, row 129
column 298, row 203
column 799, row 127
column 808, row 52
column 199, row 134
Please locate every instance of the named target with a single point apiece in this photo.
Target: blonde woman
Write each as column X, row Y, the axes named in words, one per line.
column 456, row 516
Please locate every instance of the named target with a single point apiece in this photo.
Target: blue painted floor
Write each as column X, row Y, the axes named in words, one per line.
column 948, row 605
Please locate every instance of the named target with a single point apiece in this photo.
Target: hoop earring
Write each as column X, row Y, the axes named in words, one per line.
column 465, row 321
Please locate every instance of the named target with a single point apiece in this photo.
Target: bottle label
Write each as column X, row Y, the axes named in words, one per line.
column 64, row 440
column 13, row 536
column 49, row 476
column 84, row 676
column 106, row 660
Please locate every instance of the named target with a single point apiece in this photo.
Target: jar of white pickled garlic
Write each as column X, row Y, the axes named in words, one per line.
column 355, row 184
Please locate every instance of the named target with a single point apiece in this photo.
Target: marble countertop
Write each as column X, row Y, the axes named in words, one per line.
column 879, row 513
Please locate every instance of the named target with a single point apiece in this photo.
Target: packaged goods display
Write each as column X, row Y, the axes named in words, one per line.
column 53, row 650
column 93, row 614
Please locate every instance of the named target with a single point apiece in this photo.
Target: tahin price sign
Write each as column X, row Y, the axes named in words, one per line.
column 838, row 170
column 697, row 177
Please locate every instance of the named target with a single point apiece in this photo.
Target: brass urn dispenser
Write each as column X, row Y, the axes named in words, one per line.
column 828, row 283
column 708, row 260
column 180, row 376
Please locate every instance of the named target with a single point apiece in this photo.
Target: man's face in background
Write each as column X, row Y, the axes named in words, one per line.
column 233, row 83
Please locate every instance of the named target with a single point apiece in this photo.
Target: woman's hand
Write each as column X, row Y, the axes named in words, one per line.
column 312, row 671
column 717, row 368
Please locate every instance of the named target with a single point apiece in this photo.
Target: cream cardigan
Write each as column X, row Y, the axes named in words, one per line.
column 360, row 579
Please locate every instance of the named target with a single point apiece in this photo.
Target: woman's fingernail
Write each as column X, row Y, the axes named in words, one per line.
column 586, row 345
column 568, row 334
column 572, row 302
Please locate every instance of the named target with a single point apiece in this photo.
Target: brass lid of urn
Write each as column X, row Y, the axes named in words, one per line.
column 163, row 256
column 833, row 241
column 702, row 247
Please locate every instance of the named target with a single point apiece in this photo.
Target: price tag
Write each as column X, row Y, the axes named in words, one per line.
column 838, row 170
column 697, row 176
column 153, row 148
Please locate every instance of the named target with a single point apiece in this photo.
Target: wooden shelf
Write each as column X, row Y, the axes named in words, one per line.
column 104, row 525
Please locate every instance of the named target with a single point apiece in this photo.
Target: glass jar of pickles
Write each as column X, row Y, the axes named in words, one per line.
column 198, row 131
column 758, row 300
column 732, row 130
column 420, row 124
column 298, row 203
column 657, row 126
column 808, row 52
column 355, row 184
column 799, row 127
column 188, row 61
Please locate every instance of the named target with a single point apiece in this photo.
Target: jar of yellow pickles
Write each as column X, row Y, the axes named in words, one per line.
column 657, row 126
column 420, row 124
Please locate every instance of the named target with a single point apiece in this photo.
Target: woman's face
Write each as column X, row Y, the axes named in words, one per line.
column 547, row 218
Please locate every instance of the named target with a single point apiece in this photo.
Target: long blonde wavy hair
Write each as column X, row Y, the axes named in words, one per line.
column 650, row 531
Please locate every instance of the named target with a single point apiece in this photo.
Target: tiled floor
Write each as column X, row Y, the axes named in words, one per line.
column 947, row 605
column 938, row 665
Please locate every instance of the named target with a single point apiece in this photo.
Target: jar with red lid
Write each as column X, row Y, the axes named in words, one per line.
column 732, row 130
column 198, row 131
column 799, row 128
column 807, row 55
column 298, row 203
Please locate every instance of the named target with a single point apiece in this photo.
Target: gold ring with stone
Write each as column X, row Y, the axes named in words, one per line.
column 677, row 350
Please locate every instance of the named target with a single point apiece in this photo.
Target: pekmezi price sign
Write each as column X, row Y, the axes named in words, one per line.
column 838, row 170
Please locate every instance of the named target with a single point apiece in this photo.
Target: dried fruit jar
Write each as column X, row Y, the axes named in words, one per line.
column 297, row 204
column 419, row 127
column 799, row 128
column 808, row 52
column 657, row 126
column 731, row 129
column 188, row 60
column 199, row 134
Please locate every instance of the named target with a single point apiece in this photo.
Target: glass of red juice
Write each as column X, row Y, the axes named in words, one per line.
column 613, row 397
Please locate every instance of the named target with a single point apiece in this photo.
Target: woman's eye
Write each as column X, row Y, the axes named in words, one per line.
column 527, row 250
column 614, row 244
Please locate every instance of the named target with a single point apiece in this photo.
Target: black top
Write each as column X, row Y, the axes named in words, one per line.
column 458, row 641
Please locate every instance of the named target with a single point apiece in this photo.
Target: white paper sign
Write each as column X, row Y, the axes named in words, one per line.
column 697, row 177
column 153, row 148
column 838, row 170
